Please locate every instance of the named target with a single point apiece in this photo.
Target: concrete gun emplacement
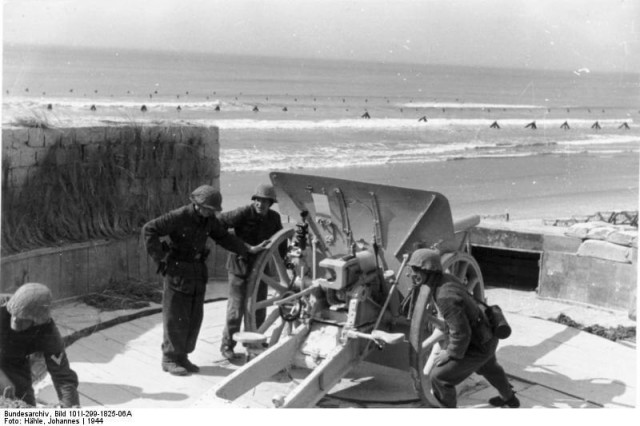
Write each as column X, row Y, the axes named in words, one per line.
column 339, row 296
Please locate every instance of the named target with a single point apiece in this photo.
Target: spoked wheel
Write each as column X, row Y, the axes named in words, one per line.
column 269, row 281
column 466, row 269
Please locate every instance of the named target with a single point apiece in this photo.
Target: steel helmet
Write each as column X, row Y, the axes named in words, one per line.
column 265, row 190
column 32, row 301
column 207, row 196
column 427, row 259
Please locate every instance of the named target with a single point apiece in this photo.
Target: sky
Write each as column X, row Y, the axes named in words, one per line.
column 600, row 35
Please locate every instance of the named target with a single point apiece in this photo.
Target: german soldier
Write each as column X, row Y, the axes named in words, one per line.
column 251, row 223
column 26, row 328
column 471, row 345
column 182, row 264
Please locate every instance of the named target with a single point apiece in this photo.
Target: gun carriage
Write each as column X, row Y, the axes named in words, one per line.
column 336, row 293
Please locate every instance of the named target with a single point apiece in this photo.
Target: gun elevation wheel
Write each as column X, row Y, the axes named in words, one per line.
column 463, row 266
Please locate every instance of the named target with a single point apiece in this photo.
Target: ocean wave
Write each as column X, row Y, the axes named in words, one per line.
column 462, row 105
column 602, row 140
column 309, row 162
column 391, row 124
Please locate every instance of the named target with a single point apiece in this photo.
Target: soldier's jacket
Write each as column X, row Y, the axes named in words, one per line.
column 251, row 228
column 467, row 325
column 188, row 232
column 15, row 348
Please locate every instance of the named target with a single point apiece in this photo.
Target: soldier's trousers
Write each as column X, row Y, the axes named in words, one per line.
column 236, row 307
column 183, row 310
column 444, row 378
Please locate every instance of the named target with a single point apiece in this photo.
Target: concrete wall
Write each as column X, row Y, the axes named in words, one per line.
column 564, row 274
column 589, row 280
column 76, row 269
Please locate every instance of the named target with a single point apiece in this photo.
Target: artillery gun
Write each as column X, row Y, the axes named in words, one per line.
column 339, row 295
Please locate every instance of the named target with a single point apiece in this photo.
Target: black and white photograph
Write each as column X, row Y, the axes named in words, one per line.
column 259, row 204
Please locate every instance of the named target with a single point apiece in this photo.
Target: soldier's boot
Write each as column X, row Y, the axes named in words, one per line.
column 188, row 365
column 228, row 353
column 174, row 368
column 512, row 402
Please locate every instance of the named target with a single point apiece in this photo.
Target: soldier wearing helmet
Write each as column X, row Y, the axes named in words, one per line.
column 181, row 261
column 26, row 328
column 252, row 223
column 470, row 345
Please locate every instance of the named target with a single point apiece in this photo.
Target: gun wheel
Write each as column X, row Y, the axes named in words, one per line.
column 269, row 281
column 463, row 266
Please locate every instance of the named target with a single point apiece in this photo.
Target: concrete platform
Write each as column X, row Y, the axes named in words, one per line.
column 551, row 365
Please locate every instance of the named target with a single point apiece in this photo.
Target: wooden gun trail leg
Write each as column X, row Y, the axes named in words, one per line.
column 324, row 376
column 261, row 368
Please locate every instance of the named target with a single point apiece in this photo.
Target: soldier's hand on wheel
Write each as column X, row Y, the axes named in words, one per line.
column 442, row 358
column 257, row 249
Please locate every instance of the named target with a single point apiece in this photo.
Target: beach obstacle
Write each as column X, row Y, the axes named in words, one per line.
column 423, row 118
column 217, row 108
column 596, row 126
column 624, row 126
column 565, row 126
column 255, row 109
column 531, row 125
column 179, row 108
column 494, row 125
column 49, row 107
column 365, row 116
column 285, row 109
column 93, row 108
column 144, row 108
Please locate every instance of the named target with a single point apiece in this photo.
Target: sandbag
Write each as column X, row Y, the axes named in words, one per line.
column 627, row 238
column 600, row 232
column 606, row 251
column 580, row 230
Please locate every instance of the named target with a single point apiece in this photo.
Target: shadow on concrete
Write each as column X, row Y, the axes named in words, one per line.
column 112, row 394
column 594, row 390
column 215, row 371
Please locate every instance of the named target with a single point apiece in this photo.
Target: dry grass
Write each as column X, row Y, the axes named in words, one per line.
column 130, row 294
column 106, row 190
column 612, row 333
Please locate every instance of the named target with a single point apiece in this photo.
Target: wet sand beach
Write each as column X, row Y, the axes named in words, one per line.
column 538, row 187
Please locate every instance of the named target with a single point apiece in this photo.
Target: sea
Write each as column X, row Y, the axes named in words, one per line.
column 305, row 114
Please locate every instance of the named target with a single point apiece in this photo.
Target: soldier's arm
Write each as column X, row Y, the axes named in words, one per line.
column 65, row 380
column 232, row 218
column 153, row 230
column 458, row 326
column 230, row 242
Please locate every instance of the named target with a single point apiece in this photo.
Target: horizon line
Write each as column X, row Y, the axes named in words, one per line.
column 168, row 52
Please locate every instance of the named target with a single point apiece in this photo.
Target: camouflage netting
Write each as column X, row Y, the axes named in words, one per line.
column 102, row 190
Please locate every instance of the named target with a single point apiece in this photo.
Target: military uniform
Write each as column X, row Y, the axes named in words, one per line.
column 252, row 228
column 185, row 273
column 15, row 348
column 471, row 344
